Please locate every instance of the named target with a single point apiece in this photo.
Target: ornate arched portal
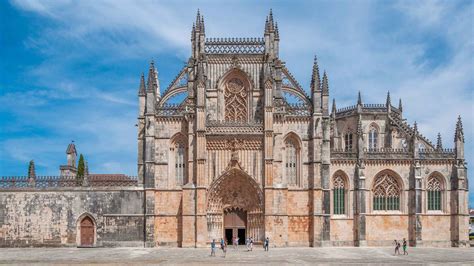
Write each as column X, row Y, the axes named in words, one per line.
column 235, row 192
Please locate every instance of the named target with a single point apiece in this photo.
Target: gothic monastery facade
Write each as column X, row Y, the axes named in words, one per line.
column 247, row 152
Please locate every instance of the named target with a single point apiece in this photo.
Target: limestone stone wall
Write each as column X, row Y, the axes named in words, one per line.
column 51, row 218
column 432, row 235
column 168, row 219
column 381, row 230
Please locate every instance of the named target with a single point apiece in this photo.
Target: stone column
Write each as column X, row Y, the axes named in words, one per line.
column 459, row 206
column 360, row 205
column 415, row 205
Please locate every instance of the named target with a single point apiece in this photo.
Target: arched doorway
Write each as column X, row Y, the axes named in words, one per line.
column 235, row 207
column 87, row 232
column 235, row 225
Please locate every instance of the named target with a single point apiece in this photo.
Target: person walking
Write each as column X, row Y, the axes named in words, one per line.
column 247, row 243
column 251, row 244
column 405, row 252
column 224, row 248
column 266, row 243
column 213, row 248
column 397, row 247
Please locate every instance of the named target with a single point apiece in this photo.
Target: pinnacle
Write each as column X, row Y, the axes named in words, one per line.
column 269, row 23
column 151, row 77
column 388, row 103
column 141, row 89
column 439, row 142
column 315, row 79
column 415, row 128
column 325, row 85
column 333, row 105
column 277, row 33
column 400, row 107
column 359, row 99
column 459, row 134
column 198, row 17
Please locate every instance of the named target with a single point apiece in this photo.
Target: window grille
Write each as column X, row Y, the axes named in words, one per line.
column 180, row 163
column 373, row 136
column 348, row 141
column 434, row 194
column 291, row 162
column 339, row 195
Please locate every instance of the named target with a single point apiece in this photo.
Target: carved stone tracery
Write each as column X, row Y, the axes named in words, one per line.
column 386, row 186
column 235, row 96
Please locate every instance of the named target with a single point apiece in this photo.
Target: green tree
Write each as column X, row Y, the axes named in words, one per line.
column 80, row 170
column 31, row 170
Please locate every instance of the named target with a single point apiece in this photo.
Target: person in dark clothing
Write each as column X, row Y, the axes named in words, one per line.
column 266, row 243
column 397, row 247
column 213, row 248
column 405, row 252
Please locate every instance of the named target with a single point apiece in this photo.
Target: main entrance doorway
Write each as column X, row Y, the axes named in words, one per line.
column 235, row 223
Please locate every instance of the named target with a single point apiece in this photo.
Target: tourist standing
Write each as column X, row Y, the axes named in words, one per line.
column 247, row 243
column 224, row 248
column 213, row 248
column 251, row 244
column 236, row 242
column 405, row 252
column 266, row 243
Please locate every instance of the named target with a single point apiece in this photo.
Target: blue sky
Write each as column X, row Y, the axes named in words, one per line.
column 69, row 70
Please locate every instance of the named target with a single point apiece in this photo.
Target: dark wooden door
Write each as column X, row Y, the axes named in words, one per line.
column 87, row 232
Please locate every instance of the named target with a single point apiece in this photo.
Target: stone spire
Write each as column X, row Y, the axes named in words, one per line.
column 359, row 99
column 333, row 111
column 272, row 37
column 151, row 86
column 153, row 82
column 459, row 140
column 388, row 102
column 459, row 134
column 325, row 85
column 325, row 95
column 316, row 87
column 315, row 79
column 141, row 89
column 198, row 36
column 277, row 32
column 199, row 24
column 269, row 23
column 439, row 142
column 415, row 129
column 400, row 107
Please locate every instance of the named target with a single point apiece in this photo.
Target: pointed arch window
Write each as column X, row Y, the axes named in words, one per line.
column 235, row 95
column 373, row 138
column 348, row 141
column 291, row 164
column 386, row 193
column 339, row 195
column 434, row 193
column 180, row 163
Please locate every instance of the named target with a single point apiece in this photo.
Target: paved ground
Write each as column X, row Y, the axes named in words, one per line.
column 280, row 256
